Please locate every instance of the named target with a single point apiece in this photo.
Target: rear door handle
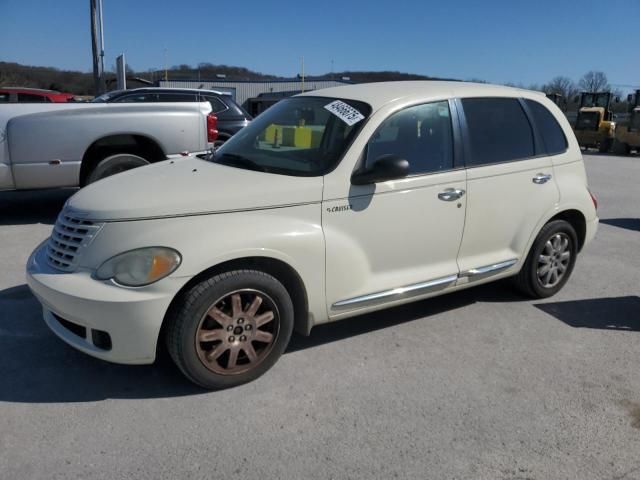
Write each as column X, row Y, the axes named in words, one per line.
column 541, row 178
column 451, row 194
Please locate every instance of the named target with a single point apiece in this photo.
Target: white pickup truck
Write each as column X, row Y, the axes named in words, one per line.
column 67, row 145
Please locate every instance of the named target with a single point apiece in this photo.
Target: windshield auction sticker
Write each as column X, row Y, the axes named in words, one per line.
column 344, row 112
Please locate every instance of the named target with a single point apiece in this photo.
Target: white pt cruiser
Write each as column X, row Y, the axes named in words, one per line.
column 331, row 204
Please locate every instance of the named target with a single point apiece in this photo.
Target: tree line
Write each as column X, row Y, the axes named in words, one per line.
column 81, row 83
column 592, row 81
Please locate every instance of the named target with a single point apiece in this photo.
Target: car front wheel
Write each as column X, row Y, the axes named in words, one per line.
column 550, row 261
column 231, row 328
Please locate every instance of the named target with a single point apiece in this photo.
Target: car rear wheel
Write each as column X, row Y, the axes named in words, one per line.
column 230, row 329
column 113, row 164
column 550, row 261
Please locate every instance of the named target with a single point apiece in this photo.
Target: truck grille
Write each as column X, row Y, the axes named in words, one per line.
column 69, row 237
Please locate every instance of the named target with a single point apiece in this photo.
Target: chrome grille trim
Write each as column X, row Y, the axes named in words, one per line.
column 70, row 236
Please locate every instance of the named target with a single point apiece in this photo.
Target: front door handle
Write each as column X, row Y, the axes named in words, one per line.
column 541, row 178
column 451, row 194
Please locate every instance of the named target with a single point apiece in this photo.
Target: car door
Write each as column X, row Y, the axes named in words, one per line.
column 398, row 240
column 510, row 185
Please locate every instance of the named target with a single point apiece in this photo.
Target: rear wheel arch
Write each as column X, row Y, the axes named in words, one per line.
column 577, row 220
column 139, row 145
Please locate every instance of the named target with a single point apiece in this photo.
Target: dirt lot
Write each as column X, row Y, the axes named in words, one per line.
column 477, row 384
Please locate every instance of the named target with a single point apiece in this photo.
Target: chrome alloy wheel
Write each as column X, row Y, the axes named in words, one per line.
column 237, row 332
column 554, row 260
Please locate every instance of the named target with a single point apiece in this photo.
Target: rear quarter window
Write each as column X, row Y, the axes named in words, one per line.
column 552, row 135
column 216, row 104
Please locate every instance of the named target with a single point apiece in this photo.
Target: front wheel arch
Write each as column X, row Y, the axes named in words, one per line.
column 281, row 271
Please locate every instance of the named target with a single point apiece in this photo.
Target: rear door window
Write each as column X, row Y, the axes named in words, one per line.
column 498, row 131
column 176, row 97
column 137, row 98
column 552, row 135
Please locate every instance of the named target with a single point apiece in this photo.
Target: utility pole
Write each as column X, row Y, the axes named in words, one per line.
column 94, row 47
column 97, row 46
column 103, row 86
column 166, row 68
column 302, row 77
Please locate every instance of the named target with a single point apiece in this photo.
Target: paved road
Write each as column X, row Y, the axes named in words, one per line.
column 479, row 384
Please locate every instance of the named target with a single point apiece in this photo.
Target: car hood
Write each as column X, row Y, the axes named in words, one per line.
column 190, row 187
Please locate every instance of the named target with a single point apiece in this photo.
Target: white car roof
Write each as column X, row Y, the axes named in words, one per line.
column 382, row 93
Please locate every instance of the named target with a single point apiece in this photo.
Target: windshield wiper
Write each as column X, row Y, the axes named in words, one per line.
column 234, row 160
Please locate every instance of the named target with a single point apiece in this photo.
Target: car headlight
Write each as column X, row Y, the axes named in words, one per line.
column 140, row 267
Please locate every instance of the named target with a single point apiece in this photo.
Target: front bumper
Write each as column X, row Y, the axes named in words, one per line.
column 132, row 317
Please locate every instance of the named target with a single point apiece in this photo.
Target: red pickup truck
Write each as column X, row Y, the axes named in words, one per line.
column 33, row 95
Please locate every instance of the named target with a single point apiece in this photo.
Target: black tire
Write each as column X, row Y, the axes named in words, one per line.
column 187, row 320
column 621, row 148
column 605, row 145
column 528, row 280
column 221, row 140
column 113, row 164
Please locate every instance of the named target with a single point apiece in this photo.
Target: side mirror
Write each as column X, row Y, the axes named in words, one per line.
column 617, row 99
column 386, row 167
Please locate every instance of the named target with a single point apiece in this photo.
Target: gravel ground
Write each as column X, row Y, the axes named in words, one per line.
column 478, row 384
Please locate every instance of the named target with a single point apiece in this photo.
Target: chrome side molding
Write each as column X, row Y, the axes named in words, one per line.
column 489, row 269
column 421, row 288
column 400, row 292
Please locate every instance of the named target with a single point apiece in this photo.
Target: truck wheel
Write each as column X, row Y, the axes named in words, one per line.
column 230, row 328
column 605, row 146
column 550, row 260
column 117, row 163
column 222, row 138
column 621, row 148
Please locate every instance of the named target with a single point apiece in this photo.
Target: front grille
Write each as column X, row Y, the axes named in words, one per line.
column 69, row 237
column 588, row 121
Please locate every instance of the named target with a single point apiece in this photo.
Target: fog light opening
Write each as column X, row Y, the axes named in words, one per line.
column 101, row 339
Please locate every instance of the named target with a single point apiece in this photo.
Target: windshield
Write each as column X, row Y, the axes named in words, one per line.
column 301, row 136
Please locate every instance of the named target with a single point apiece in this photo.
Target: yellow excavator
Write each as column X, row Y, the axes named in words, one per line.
column 594, row 126
column 628, row 136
